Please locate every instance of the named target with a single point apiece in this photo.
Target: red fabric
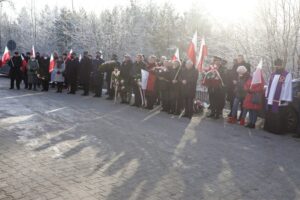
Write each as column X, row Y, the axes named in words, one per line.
column 5, row 57
column 192, row 53
column 151, row 78
column 51, row 64
column 248, row 99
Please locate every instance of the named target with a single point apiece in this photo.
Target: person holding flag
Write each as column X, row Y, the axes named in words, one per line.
column 15, row 73
column 254, row 99
column 214, row 77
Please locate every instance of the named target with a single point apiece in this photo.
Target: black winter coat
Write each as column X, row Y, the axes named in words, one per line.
column 15, row 64
column 86, row 66
column 72, row 68
column 44, row 68
column 191, row 77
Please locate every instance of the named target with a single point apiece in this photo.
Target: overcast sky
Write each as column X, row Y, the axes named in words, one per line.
column 226, row 10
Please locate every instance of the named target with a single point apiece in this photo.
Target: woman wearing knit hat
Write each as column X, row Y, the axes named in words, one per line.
column 240, row 94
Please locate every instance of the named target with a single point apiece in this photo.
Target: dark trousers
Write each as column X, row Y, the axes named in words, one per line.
column 25, row 79
column 86, row 88
column 188, row 106
column 73, row 87
column 45, row 84
column 15, row 76
column 165, row 95
column 175, row 101
column 60, row 86
column 151, row 98
column 98, row 86
column 276, row 122
column 137, row 95
column 217, row 100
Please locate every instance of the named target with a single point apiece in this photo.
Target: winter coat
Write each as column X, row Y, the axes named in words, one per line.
column 125, row 69
column 136, row 70
column 72, row 68
column 191, row 77
column 96, row 74
column 151, row 78
column 58, row 72
column 240, row 92
column 15, row 64
column 86, row 66
column 44, row 68
column 251, row 90
column 32, row 70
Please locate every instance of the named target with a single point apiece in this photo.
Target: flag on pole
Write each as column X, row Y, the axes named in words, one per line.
column 80, row 57
column 5, row 57
column 192, row 49
column 51, row 64
column 69, row 55
column 33, row 51
column 202, row 55
column 176, row 55
column 257, row 74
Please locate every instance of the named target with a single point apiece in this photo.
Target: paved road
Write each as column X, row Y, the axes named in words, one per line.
column 58, row 146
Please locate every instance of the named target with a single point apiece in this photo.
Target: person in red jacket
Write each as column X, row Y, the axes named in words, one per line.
column 253, row 101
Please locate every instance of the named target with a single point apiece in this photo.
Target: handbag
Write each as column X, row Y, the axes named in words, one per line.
column 256, row 98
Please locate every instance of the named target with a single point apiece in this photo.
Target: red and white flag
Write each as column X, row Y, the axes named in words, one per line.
column 69, row 55
column 192, row 49
column 202, row 55
column 33, row 51
column 258, row 75
column 24, row 64
column 176, row 55
column 5, row 57
column 52, row 63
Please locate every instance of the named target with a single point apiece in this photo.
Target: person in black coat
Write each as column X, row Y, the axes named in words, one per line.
column 86, row 66
column 72, row 73
column 135, row 75
column 175, row 88
column 97, row 75
column 43, row 72
column 125, row 79
column 15, row 72
column 188, row 79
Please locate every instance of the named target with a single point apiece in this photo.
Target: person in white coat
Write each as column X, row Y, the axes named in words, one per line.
column 278, row 96
column 58, row 74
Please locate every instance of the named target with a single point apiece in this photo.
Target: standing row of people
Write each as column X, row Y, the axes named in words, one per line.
column 171, row 84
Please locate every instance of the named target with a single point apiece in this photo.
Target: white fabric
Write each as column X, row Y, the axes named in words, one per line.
column 145, row 76
column 59, row 77
column 286, row 92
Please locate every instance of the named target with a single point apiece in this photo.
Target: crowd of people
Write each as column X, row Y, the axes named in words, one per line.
column 170, row 83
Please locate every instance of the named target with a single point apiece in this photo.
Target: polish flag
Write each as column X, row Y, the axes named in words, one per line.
column 69, row 55
column 33, row 51
column 52, row 63
column 80, row 57
column 24, row 64
column 176, row 55
column 5, row 57
column 192, row 49
column 257, row 77
column 202, row 55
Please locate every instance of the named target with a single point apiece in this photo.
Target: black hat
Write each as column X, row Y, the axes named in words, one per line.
column 16, row 53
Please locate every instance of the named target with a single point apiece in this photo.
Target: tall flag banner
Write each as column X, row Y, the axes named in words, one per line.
column 80, row 57
column 24, row 64
column 5, row 57
column 69, row 55
column 257, row 77
column 33, row 51
column 202, row 55
column 176, row 55
column 52, row 63
column 192, row 49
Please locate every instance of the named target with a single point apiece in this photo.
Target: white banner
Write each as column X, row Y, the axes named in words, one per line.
column 145, row 76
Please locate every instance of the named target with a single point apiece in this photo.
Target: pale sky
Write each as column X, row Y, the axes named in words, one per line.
column 223, row 10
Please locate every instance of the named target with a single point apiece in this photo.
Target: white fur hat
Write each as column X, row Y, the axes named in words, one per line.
column 241, row 70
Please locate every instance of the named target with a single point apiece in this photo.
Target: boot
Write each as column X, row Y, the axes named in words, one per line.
column 242, row 122
column 232, row 120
